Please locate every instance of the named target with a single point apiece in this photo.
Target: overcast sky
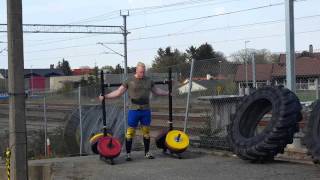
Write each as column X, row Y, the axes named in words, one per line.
column 232, row 22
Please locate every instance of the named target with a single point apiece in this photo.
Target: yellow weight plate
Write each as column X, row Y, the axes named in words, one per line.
column 177, row 140
column 94, row 138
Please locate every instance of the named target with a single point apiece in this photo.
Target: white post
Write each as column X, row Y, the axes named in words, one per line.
column 80, row 119
column 316, row 82
column 188, row 97
column 45, row 125
column 31, row 79
column 254, row 71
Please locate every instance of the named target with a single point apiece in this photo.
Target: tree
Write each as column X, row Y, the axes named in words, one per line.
column 59, row 65
column 108, row 69
column 168, row 57
column 262, row 56
column 65, row 67
column 95, row 71
column 204, row 51
column 83, row 82
column 131, row 69
column 118, row 69
column 207, row 60
column 93, row 77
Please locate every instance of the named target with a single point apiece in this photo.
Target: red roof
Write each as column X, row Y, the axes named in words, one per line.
column 263, row 72
column 82, row 71
column 305, row 66
column 283, row 56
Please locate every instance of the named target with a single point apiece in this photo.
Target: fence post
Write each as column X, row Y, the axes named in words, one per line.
column 125, row 98
column 188, row 97
column 254, row 71
column 316, row 82
column 80, row 118
column 45, row 124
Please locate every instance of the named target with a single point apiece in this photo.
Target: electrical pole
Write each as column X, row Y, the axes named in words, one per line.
column 125, row 56
column 17, row 121
column 290, row 58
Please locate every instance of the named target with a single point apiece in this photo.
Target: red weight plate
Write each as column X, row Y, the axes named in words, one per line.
column 109, row 147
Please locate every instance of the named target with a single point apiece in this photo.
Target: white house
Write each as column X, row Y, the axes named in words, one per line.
column 198, row 85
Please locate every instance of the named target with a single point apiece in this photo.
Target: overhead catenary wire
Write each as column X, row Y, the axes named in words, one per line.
column 184, row 33
column 206, row 17
column 115, row 13
column 181, row 45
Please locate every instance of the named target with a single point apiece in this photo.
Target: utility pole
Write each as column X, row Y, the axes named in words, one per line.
column 17, row 121
column 290, row 57
column 125, row 56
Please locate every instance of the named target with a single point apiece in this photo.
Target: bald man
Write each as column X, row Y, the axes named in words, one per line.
column 139, row 88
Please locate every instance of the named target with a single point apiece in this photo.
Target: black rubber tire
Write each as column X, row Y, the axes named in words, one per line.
column 161, row 139
column 286, row 113
column 312, row 133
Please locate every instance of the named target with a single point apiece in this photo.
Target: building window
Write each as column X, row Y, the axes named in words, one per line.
column 305, row 84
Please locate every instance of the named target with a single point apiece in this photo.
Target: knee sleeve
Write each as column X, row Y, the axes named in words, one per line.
column 130, row 133
column 145, row 131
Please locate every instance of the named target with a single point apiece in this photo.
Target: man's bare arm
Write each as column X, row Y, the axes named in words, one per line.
column 159, row 92
column 114, row 94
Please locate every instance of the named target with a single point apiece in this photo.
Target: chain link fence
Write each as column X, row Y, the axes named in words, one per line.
column 213, row 96
column 217, row 87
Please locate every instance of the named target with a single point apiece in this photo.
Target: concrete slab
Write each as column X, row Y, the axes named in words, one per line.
column 195, row 165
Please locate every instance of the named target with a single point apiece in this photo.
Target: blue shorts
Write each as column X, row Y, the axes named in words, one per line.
column 136, row 116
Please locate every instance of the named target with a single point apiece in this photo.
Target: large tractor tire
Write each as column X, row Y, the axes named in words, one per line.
column 312, row 133
column 285, row 108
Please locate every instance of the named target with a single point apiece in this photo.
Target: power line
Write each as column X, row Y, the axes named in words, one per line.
column 61, row 28
column 180, row 34
column 235, row 40
column 94, row 17
column 62, row 40
column 183, row 3
column 177, row 9
column 213, row 42
column 206, row 17
column 142, row 11
column 103, row 15
column 221, row 28
column 60, row 48
column 57, row 57
column 91, row 19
